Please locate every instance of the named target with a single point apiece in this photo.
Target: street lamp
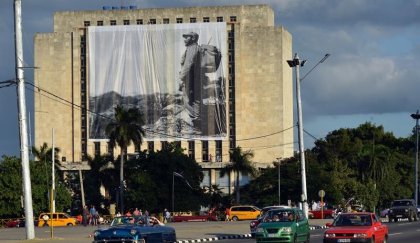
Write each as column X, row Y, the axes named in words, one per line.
column 278, row 163
column 416, row 173
column 296, row 63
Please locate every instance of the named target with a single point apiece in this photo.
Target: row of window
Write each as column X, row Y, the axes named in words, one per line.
column 206, row 156
column 154, row 21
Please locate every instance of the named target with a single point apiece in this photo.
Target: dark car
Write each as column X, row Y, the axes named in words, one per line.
column 403, row 208
column 135, row 229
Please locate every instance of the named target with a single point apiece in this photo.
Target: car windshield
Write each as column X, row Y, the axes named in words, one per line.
column 130, row 220
column 353, row 220
column 401, row 203
column 273, row 216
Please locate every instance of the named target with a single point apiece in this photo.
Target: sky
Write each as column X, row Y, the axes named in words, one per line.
column 372, row 75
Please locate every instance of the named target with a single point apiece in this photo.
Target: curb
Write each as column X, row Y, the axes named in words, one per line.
column 244, row 236
column 216, row 238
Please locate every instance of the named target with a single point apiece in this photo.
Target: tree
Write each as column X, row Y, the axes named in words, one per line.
column 240, row 163
column 11, row 188
column 149, row 180
column 126, row 128
column 44, row 155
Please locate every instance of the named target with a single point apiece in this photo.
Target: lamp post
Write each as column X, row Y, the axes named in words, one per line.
column 416, row 170
column 296, row 63
column 278, row 163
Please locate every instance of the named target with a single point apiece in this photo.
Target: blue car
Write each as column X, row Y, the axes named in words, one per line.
column 135, row 229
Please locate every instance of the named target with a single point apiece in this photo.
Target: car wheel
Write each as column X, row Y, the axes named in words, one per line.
column 295, row 239
column 308, row 238
column 70, row 224
column 415, row 217
column 395, row 220
column 234, row 218
column 410, row 218
column 372, row 240
column 385, row 239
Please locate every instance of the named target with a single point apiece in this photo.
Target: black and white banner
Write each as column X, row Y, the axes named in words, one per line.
column 175, row 73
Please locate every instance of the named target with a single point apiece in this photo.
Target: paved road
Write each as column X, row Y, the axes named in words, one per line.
column 185, row 231
column 407, row 232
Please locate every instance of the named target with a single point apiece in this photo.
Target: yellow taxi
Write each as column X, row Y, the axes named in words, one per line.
column 243, row 212
column 58, row 219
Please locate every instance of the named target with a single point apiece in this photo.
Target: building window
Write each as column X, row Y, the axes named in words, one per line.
column 152, row 21
column 110, row 150
column 177, row 144
column 164, row 145
column 191, row 149
column 219, row 151
column 206, row 19
column 139, row 21
column 219, row 19
column 193, row 20
column 126, row 22
column 178, row 20
column 137, row 148
column 86, row 23
column 205, row 151
column 151, row 146
column 166, row 21
column 231, row 45
column 113, row 22
column 232, row 18
column 100, row 23
column 97, row 149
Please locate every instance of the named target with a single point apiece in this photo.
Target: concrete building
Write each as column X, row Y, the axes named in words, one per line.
column 259, row 90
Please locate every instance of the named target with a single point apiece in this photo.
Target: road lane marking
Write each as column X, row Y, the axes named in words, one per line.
column 398, row 233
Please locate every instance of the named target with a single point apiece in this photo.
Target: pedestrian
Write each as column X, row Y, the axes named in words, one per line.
column 227, row 212
column 92, row 216
column 85, row 215
column 45, row 218
column 166, row 216
column 136, row 212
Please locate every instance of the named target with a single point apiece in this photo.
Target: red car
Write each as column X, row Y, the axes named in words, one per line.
column 322, row 214
column 189, row 218
column 356, row 227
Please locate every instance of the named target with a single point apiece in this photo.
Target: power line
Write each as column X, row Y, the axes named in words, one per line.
column 267, row 135
column 315, row 138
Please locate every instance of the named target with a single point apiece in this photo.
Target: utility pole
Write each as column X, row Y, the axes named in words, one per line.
column 23, row 130
column 416, row 166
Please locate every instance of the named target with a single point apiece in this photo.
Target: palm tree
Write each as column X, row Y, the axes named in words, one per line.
column 240, row 164
column 44, row 154
column 126, row 128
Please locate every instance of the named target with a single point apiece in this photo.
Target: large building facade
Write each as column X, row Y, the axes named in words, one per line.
column 94, row 60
